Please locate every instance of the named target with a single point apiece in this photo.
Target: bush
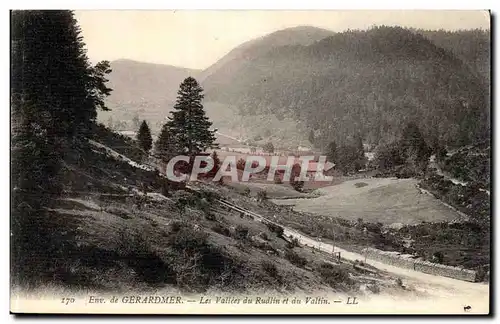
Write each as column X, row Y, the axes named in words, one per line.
column 270, row 268
column 221, row 229
column 298, row 185
column 241, row 232
column 176, row 226
column 295, row 259
column 261, row 195
column 268, row 147
column 294, row 242
column 118, row 211
column 374, row 288
column 240, row 164
column 246, row 192
column 210, row 216
column 333, row 275
column 263, row 235
column 275, row 229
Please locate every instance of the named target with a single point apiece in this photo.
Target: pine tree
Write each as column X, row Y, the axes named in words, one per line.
column 165, row 148
column 217, row 163
column 55, row 93
column 359, row 152
column 51, row 71
column 413, row 145
column 144, row 137
column 188, row 125
column 331, row 152
column 312, row 139
column 268, row 147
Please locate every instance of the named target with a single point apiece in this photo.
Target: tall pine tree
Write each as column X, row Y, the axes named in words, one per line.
column 331, row 152
column 55, row 92
column 188, row 126
column 165, row 147
column 144, row 137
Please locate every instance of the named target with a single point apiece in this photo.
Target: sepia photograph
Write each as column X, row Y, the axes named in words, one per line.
column 332, row 162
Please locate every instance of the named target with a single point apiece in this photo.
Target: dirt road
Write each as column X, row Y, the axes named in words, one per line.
column 436, row 294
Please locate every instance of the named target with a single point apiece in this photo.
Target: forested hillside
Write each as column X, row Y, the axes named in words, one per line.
column 142, row 90
column 363, row 81
column 471, row 46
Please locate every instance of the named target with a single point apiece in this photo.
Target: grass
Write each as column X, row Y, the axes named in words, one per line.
column 116, row 246
column 380, row 200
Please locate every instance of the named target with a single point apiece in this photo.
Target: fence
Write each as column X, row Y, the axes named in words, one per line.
column 410, row 262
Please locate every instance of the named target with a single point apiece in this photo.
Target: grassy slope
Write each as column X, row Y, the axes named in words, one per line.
column 104, row 235
column 381, row 200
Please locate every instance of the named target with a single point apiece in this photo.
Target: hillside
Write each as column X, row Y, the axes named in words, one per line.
column 305, row 78
column 114, row 230
column 369, row 81
column 143, row 89
column 226, row 68
column 471, row 46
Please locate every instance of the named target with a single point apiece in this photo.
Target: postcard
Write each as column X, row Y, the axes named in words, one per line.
column 250, row 162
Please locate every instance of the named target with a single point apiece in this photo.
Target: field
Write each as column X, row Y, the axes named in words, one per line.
column 383, row 200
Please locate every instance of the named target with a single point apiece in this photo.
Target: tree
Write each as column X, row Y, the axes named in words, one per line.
column 217, row 163
column 312, row 140
column 268, row 147
column 360, row 161
column 136, row 122
column 188, row 126
column 165, row 147
column 295, row 182
column 413, row 146
column 388, row 156
column 55, row 94
column 144, row 137
column 331, row 152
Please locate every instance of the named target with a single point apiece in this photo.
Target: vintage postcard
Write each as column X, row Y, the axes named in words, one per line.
column 250, row 162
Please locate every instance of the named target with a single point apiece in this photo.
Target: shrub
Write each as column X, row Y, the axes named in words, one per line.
column 118, row 211
column 333, row 275
column 176, row 226
column 240, row 165
column 295, row 258
column 197, row 264
column 275, row 229
column 221, row 229
column 210, row 216
column 246, row 192
column 241, row 232
column 264, row 236
column 298, row 185
column 270, row 268
column 261, row 195
column 374, row 288
column 294, row 242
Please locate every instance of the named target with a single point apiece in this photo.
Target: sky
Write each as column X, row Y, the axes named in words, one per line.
column 198, row 38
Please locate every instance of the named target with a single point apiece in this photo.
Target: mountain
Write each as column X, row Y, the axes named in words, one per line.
column 473, row 47
column 228, row 66
column 149, row 90
column 301, row 35
column 359, row 81
column 281, row 86
column 144, row 89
